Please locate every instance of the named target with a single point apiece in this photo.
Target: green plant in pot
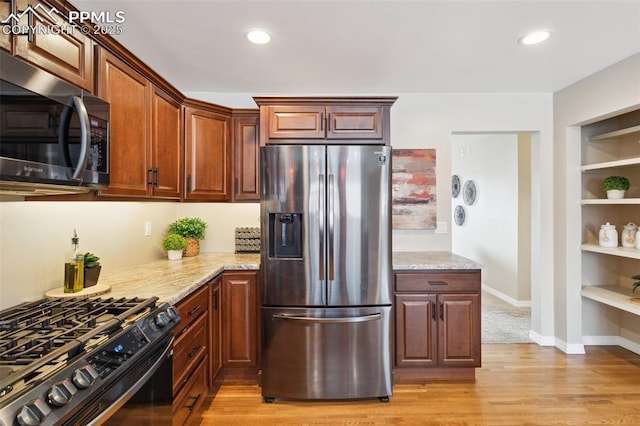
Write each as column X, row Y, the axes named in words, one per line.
column 191, row 228
column 92, row 269
column 636, row 284
column 615, row 186
column 174, row 244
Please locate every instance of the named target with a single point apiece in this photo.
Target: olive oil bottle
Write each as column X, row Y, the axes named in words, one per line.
column 74, row 267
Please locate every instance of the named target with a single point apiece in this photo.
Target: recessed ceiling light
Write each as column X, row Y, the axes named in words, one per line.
column 535, row 37
column 258, row 36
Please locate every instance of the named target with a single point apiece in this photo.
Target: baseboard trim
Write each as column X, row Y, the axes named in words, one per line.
column 611, row 341
column 510, row 300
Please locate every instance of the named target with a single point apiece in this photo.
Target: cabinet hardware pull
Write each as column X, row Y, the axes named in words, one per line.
column 322, row 121
column 193, row 352
column 184, row 330
column 150, row 171
column 194, row 310
column 438, row 283
column 215, row 300
column 434, row 310
column 156, row 180
column 442, row 311
column 329, row 122
column 195, row 402
column 189, row 183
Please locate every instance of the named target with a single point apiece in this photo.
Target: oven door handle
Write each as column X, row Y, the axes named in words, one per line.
column 110, row 410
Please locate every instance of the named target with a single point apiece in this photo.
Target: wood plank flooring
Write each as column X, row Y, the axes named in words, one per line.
column 518, row 384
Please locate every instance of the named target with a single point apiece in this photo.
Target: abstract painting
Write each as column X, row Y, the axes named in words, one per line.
column 413, row 189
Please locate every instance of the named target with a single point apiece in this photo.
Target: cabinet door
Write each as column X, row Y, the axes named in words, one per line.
column 208, row 155
column 128, row 93
column 246, row 146
column 215, row 341
column 166, row 125
column 296, row 122
column 69, row 56
column 240, row 322
column 459, row 330
column 354, row 122
column 416, row 337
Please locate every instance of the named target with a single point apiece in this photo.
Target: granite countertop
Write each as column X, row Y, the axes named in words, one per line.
column 172, row 281
column 407, row 260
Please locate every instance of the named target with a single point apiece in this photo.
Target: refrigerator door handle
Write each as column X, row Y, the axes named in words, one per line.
column 330, row 208
column 325, row 320
column 321, row 226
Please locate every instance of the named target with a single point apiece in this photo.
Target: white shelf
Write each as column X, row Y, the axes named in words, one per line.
column 612, row 295
column 611, row 164
column 630, row 252
column 604, row 201
column 615, row 134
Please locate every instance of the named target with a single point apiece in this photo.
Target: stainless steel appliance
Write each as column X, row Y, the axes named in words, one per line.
column 326, row 260
column 54, row 137
column 77, row 361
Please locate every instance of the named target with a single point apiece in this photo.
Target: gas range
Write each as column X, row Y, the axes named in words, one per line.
column 76, row 361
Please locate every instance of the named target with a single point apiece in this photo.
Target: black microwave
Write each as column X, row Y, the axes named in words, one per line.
column 54, row 137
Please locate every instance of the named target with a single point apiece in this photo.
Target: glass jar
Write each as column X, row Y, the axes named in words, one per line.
column 608, row 236
column 629, row 235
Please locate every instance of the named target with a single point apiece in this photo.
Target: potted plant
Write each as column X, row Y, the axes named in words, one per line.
column 92, row 269
column 636, row 284
column 615, row 186
column 192, row 229
column 174, row 244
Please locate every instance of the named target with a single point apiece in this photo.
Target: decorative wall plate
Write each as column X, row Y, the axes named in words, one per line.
column 455, row 186
column 459, row 215
column 469, row 192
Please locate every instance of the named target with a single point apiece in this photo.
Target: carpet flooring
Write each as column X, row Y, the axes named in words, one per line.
column 503, row 322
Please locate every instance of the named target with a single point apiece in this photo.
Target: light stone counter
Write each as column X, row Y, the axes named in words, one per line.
column 173, row 280
column 408, row 260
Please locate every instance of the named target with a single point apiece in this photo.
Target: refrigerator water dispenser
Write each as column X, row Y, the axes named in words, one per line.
column 285, row 230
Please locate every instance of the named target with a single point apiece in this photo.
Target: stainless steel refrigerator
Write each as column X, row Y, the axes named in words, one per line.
column 326, row 260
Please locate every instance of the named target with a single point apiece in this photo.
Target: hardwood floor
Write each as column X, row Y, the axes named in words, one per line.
column 518, row 384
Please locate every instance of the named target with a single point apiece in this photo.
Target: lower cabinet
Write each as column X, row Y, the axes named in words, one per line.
column 240, row 337
column 215, row 329
column 437, row 324
column 191, row 355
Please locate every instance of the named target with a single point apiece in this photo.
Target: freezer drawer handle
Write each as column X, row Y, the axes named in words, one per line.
column 365, row 318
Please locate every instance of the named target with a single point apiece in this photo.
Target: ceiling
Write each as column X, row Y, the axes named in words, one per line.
column 374, row 46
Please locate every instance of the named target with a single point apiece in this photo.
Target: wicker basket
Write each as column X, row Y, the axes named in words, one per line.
column 193, row 247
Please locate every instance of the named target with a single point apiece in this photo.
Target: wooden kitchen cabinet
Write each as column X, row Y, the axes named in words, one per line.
column 240, row 337
column 215, row 329
column 67, row 54
column 318, row 120
column 190, row 360
column 246, row 151
column 437, row 323
column 145, row 134
column 208, row 152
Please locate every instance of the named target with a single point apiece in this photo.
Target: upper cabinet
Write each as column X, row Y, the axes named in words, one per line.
column 320, row 120
column 246, row 150
column 208, row 172
column 67, row 54
column 145, row 134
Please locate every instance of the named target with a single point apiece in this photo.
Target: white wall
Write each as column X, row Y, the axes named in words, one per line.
column 417, row 121
column 491, row 231
column 609, row 92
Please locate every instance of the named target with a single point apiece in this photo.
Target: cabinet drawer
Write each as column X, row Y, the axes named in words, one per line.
column 191, row 308
column 188, row 349
column 441, row 281
column 191, row 396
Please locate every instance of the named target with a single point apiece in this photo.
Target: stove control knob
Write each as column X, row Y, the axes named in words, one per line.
column 173, row 314
column 162, row 319
column 33, row 413
column 84, row 377
column 61, row 393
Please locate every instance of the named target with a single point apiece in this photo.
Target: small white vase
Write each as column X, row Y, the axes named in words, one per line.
column 615, row 194
column 174, row 254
